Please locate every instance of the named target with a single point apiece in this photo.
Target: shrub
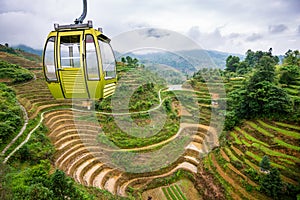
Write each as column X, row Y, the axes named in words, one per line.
column 14, row 72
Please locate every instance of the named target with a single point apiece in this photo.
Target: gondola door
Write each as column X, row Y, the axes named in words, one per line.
column 70, row 65
column 108, row 68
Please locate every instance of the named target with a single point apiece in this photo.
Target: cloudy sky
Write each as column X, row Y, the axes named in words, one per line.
column 230, row 26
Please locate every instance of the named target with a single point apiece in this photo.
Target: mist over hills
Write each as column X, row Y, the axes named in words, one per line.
column 28, row 49
column 187, row 61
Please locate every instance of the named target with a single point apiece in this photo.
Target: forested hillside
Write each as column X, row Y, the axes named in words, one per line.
column 259, row 153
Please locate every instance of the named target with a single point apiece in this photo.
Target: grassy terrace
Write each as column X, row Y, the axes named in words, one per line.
column 231, row 155
column 236, row 139
column 259, row 129
column 250, row 138
column 287, row 125
column 284, row 144
column 244, row 150
column 227, row 177
column 293, row 134
column 173, row 192
column 292, row 91
column 259, row 158
column 274, row 153
column 124, row 140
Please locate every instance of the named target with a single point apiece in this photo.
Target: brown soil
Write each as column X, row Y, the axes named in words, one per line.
column 228, row 179
column 206, row 184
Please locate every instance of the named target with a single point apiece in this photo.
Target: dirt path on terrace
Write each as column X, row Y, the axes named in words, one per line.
column 25, row 117
column 185, row 165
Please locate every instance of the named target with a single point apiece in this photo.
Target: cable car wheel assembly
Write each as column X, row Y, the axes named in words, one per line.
column 78, row 62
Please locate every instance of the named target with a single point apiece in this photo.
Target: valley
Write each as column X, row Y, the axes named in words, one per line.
column 175, row 146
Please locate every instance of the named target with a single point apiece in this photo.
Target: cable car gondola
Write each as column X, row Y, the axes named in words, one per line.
column 78, row 61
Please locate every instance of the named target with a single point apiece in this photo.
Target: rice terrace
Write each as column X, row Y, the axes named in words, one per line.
column 61, row 136
column 148, row 114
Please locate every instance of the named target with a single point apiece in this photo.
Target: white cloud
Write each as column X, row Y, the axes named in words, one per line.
column 232, row 26
column 277, row 28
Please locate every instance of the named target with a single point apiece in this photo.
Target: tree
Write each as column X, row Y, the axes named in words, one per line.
column 292, row 58
column 232, row 63
column 265, row 164
column 288, row 74
column 260, row 97
column 271, row 184
column 59, row 185
column 253, row 58
column 265, row 71
column 5, row 190
column 63, row 187
column 264, row 99
column 135, row 62
column 128, row 60
column 243, row 68
column 39, row 192
column 123, row 60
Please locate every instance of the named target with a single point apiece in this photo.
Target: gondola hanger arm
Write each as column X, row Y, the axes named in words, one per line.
column 83, row 15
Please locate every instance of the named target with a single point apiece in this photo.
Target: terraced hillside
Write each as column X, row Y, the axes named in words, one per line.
column 35, row 96
column 96, row 151
column 81, row 155
column 294, row 88
column 82, row 160
column 236, row 165
column 24, row 59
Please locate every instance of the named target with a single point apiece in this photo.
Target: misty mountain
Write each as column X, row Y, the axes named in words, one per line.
column 28, row 49
column 187, row 61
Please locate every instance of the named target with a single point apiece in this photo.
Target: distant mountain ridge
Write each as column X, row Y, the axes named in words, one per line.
column 28, row 49
column 186, row 61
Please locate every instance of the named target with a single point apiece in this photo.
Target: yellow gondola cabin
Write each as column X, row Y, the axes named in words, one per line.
column 79, row 63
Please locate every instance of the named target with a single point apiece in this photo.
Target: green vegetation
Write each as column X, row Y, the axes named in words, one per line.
column 249, row 137
column 259, row 89
column 231, row 155
column 173, row 192
column 236, row 139
column 258, row 159
column 275, row 153
column 166, row 193
column 125, row 140
column 169, row 74
column 180, row 192
column 14, row 72
column 271, row 183
column 130, row 62
column 259, row 129
column 36, row 183
column 260, row 96
column 34, row 55
column 10, row 115
column 145, row 97
column 283, row 131
column 289, row 71
column 284, row 144
column 265, row 163
column 246, row 143
column 30, row 175
column 173, row 197
column 38, row 148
